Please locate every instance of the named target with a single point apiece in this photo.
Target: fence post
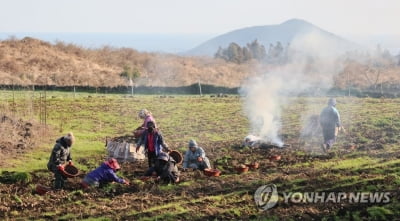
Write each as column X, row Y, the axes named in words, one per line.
column 201, row 94
column 45, row 104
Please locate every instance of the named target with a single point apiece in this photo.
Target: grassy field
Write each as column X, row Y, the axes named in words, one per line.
column 365, row 159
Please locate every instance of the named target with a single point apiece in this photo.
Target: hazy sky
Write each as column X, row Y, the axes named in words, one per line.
column 343, row 17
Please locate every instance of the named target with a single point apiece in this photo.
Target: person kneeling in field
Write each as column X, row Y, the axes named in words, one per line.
column 153, row 143
column 195, row 157
column 60, row 155
column 104, row 174
column 165, row 169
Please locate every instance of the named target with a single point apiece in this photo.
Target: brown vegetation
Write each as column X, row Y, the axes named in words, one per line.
column 18, row 136
column 33, row 62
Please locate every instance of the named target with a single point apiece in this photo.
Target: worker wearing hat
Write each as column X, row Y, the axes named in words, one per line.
column 106, row 173
column 60, row 155
column 195, row 157
column 146, row 116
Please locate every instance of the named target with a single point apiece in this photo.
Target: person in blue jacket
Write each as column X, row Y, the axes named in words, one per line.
column 330, row 123
column 153, row 142
column 106, row 173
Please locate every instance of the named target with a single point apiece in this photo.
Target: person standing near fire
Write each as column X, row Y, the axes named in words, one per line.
column 147, row 116
column 60, row 155
column 153, row 142
column 330, row 123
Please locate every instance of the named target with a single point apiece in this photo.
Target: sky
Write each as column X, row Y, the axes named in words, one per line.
column 357, row 18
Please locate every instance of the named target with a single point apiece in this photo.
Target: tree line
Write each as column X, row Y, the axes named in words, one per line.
column 254, row 50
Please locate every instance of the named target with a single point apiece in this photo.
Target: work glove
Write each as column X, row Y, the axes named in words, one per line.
column 60, row 167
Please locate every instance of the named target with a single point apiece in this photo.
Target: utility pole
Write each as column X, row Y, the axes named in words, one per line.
column 201, row 94
column 131, row 84
column 348, row 81
column 45, row 103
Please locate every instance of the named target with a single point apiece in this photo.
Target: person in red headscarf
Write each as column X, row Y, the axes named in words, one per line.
column 106, row 173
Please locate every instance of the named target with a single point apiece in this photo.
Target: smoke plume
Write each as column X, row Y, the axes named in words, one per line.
column 310, row 64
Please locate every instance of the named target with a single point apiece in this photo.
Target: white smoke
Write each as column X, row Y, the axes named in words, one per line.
column 311, row 65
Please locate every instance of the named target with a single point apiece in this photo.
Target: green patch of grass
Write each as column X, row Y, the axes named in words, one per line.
column 236, row 212
column 186, row 183
column 168, row 187
column 383, row 122
column 168, row 216
column 15, row 177
column 179, row 207
column 76, row 193
column 361, row 162
column 68, row 216
column 14, row 213
column 97, row 219
column 17, row 199
column 350, row 215
column 361, row 139
column 358, row 184
column 389, row 163
column 379, row 213
column 49, row 214
column 137, row 181
column 344, row 164
column 109, row 187
column 175, row 206
column 272, row 218
column 371, row 188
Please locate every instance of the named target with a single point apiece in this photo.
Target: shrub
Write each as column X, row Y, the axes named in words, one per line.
column 15, row 177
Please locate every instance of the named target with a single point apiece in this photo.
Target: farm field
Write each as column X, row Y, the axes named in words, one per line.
column 366, row 158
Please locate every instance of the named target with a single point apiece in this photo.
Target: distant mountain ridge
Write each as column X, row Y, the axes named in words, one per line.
column 285, row 32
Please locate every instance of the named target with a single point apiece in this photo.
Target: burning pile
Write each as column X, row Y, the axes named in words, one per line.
column 253, row 141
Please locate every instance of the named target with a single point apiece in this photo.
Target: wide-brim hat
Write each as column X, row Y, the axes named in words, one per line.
column 113, row 164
